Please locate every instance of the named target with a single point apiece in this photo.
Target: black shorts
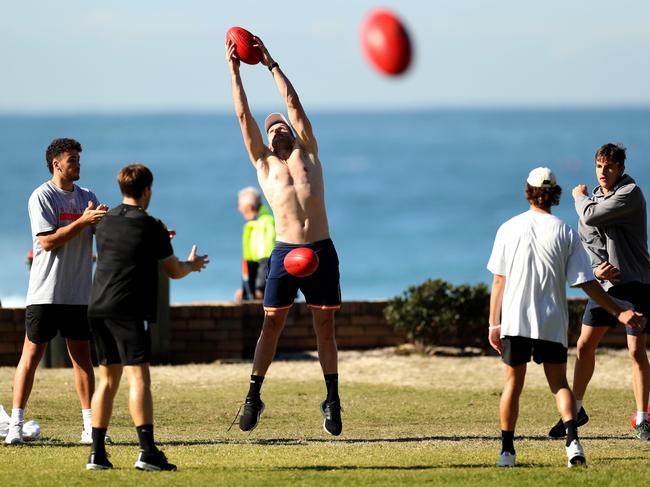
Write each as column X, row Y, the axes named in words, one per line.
column 322, row 289
column 119, row 341
column 44, row 321
column 518, row 350
column 636, row 293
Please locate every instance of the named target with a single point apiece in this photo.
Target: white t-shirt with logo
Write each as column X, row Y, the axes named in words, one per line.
column 538, row 254
column 63, row 275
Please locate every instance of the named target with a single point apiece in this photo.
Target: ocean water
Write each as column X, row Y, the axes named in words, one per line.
column 410, row 196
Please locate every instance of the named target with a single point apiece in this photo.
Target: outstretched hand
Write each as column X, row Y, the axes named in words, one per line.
column 197, row 262
column 231, row 55
column 267, row 60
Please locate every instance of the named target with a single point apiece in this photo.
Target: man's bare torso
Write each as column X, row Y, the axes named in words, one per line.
column 294, row 188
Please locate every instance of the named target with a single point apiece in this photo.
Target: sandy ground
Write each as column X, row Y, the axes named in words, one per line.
column 384, row 366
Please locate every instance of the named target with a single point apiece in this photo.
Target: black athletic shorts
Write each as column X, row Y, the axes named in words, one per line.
column 518, row 350
column 636, row 293
column 119, row 341
column 321, row 289
column 44, row 321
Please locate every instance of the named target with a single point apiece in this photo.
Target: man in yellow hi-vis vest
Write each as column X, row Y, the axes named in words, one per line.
column 258, row 240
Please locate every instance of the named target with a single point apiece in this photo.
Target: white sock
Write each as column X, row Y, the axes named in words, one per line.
column 578, row 406
column 87, row 417
column 641, row 416
column 17, row 415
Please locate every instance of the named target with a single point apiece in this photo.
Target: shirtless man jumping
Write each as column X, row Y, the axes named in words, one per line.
column 291, row 177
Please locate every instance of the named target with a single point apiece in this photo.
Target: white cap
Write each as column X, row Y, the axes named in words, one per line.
column 274, row 118
column 541, row 177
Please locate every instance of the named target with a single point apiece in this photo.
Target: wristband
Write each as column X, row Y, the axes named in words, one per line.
column 273, row 65
column 494, row 327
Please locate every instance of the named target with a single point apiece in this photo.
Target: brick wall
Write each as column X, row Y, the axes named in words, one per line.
column 12, row 334
column 204, row 333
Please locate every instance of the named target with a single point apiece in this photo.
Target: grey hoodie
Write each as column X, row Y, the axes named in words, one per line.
column 613, row 228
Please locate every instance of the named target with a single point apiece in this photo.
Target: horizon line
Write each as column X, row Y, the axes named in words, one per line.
column 147, row 111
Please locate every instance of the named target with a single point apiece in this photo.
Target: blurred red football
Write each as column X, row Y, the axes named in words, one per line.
column 244, row 48
column 634, row 418
column 301, row 262
column 385, row 42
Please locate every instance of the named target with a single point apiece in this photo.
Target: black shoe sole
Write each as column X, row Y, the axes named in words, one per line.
column 559, row 431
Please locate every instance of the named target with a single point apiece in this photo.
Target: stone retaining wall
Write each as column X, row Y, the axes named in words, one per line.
column 202, row 333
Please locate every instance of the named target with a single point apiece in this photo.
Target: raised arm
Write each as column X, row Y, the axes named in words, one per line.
column 250, row 130
column 623, row 202
column 296, row 112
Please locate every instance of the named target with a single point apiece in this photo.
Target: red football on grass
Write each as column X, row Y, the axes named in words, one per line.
column 244, row 48
column 385, row 42
column 634, row 418
column 301, row 262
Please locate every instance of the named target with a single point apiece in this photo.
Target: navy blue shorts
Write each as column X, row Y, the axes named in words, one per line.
column 322, row 289
column 635, row 293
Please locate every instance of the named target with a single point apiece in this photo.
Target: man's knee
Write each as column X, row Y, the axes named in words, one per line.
column 586, row 347
column 32, row 353
column 637, row 351
column 274, row 322
column 323, row 323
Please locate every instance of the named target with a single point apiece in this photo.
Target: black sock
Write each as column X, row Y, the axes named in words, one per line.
column 145, row 437
column 98, row 435
column 507, row 441
column 256, row 385
column 332, row 384
column 571, row 431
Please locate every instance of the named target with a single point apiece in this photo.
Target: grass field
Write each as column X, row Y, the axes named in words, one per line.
column 407, row 420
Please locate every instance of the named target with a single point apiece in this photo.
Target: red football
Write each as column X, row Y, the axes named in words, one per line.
column 385, row 42
column 633, row 419
column 301, row 262
column 244, row 48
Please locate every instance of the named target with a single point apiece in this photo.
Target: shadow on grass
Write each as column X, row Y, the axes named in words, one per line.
column 247, row 440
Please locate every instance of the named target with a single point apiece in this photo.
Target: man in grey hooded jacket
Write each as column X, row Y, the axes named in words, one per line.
column 613, row 230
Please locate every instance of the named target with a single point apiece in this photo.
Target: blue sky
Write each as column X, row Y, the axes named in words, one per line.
column 160, row 55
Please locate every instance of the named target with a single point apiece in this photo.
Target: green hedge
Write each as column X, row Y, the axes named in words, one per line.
column 439, row 313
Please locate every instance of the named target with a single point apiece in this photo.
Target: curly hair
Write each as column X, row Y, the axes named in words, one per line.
column 134, row 179
column 58, row 147
column 543, row 197
column 612, row 153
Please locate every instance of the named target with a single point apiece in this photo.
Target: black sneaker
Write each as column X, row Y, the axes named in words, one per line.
column 643, row 431
column 559, row 431
column 331, row 411
column 253, row 409
column 98, row 462
column 153, row 461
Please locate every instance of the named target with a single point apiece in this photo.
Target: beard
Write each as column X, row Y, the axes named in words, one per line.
column 282, row 142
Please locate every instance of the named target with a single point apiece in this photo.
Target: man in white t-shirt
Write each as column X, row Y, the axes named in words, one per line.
column 62, row 217
column 534, row 255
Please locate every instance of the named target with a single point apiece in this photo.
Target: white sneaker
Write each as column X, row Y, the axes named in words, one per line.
column 15, row 434
column 506, row 459
column 87, row 438
column 575, row 455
